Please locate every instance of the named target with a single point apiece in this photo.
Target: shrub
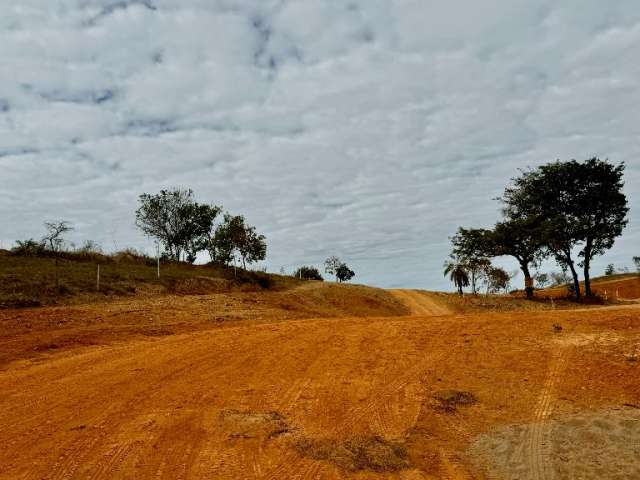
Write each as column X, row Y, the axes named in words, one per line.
column 28, row 248
column 308, row 273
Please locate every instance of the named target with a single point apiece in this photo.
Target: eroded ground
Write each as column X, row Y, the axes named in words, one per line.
column 422, row 396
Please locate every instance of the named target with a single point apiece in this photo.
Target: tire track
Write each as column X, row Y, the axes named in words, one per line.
column 291, row 465
column 538, row 441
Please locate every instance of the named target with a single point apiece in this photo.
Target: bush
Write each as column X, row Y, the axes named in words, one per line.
column 29, row 248
column 308, row 273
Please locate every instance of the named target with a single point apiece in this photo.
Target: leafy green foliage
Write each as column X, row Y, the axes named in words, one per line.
column 497, row 279
column 234, row 237
column 580, row 205
column 176, row 220
column 29, row 248
column 344, row 273
column 457, row 272
column 308, row 273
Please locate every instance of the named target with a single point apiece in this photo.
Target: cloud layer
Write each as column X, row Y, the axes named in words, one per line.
column 370, row 129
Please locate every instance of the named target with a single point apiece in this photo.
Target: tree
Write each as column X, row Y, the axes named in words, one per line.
column 542, row 280
column 177, row 221
column 497, row 279
column 344, row 273
column 253, row 247
column 472, row 247
column 55, row 242
column 520, row 238
column 559, row 278
column 457, row 273
column 308, row 273
column 602, row 209
column 610, row 270
column 636, row 261
column 331, row 265
column 233, row 236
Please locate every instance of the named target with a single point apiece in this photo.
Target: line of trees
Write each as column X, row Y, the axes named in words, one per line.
column 185, row 228
column 570, row 211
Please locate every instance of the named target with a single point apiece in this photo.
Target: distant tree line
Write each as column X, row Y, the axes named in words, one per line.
column 570, row 211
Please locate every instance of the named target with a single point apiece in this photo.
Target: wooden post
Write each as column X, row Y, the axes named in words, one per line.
column 158, row 258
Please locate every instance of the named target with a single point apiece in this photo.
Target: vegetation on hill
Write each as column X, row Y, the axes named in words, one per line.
column 28, row 280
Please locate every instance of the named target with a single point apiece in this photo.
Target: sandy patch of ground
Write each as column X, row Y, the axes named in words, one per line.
column 591, row 446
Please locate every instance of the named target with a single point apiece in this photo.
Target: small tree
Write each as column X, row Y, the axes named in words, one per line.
column 344, row 273
column 457, row 273
column 177, row 221
column 233, row 236
column 308, row 273
column 636, row 261
column 55, row 242
column 542, row 280
column 29, row 248
column 559, row 278
column 472, row 247
column 610, row 270
column 497, row 279
column 331, row 265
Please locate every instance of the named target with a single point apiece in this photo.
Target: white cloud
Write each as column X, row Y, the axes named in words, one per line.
column 371, row 129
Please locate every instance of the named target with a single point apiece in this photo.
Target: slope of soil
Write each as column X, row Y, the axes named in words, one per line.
column 26, row 333
column 420, row 302
column 326, row 398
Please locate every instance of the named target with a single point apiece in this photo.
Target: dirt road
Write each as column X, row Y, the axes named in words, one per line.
column 325, row 398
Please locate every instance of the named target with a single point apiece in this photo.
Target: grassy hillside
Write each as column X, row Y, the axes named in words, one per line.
column 30, row 281
column 623, row 285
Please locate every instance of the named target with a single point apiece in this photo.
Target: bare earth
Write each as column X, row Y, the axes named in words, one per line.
column 425, row 395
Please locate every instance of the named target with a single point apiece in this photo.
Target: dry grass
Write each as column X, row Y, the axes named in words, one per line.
column 357, row 454
column 29, row 281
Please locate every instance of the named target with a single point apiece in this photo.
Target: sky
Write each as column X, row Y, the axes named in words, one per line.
column 367, row 129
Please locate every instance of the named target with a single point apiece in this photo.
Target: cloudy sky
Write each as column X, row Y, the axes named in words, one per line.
column 370, row 129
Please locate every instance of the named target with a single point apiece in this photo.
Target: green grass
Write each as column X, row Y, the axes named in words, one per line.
column 30, row 281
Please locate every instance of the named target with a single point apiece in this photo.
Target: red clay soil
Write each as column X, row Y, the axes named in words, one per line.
column 274, row 397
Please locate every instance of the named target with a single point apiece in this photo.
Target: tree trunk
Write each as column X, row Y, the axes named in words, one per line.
column 473, row 281
column 528, row 285
column 576, row 280
column 587, row 264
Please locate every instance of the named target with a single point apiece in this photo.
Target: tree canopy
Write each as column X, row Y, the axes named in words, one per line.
column 177, row 221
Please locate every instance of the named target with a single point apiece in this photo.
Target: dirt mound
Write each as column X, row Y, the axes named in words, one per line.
column 357, row 454
column 450, row 400
column 246, row 424
column 421, row 303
